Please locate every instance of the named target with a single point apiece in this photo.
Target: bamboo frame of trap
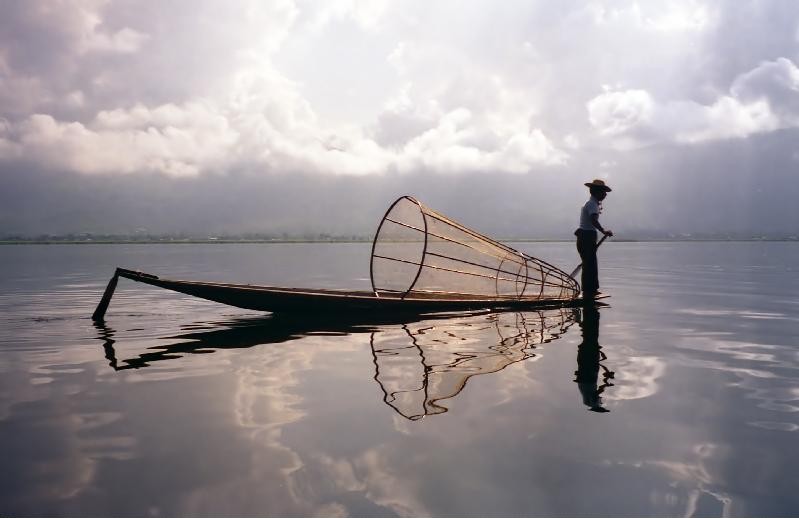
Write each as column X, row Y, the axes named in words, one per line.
column 420, row 253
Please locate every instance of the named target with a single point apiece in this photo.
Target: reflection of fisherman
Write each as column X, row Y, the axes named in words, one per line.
column 589, row 356
column 586, row 236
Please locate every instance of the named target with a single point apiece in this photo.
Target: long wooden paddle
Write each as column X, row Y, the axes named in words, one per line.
column 580, row 266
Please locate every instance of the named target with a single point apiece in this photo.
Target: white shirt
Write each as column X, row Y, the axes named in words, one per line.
column 592, row 206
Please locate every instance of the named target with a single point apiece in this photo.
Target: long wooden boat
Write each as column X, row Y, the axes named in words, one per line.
column 280, row 299
column 421, row 262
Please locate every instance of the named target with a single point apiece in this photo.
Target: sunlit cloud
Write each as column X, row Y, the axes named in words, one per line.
column 762, row 100
column 349, row 88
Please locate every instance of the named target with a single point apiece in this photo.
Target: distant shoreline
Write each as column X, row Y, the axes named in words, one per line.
column 361, row 241
column 181, row 242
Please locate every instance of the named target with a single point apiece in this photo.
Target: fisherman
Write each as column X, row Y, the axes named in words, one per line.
column 586, row 237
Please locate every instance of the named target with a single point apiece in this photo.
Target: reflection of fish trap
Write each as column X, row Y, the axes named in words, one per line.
column 419, row 253
column 431, row 362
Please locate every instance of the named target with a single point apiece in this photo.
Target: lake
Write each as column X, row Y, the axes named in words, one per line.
column 679, row 398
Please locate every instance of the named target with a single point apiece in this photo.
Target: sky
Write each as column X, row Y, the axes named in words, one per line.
column 304, row 116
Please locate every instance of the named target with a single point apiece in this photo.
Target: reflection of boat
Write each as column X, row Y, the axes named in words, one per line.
column 419, row 363
column 421, row 262
column 430, row 362
column 243, row 333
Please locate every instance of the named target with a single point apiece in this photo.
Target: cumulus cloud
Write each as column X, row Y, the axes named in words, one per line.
column 464, row 101
column 170, row 139
column 125, row 41
column 761, row 100
column 264, row 121
column 618, row 113
column 777, row 83
column 553, row 90
column 251, row 112
column 366, row 13
column 199, row 136
column 457, row 144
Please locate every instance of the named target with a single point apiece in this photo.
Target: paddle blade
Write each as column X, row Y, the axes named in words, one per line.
column 99, row 313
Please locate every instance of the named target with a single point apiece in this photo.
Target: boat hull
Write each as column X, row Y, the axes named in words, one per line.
column 279, row 300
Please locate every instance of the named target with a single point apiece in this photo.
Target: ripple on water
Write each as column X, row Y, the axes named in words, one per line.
column 776, row 426
column 765, row 372
column 704, row 398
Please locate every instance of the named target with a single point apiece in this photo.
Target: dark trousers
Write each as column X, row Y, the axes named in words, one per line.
column 586, row 247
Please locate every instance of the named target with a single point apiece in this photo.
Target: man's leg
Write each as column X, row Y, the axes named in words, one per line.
column 586, row 246
column 591, row 270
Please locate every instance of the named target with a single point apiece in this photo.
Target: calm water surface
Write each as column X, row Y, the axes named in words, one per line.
column 180, row 407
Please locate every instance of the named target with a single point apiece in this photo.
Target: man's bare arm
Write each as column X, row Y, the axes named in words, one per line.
column 595, row 222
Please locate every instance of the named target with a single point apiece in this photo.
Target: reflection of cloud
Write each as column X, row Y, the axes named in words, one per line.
column 373, row 472
column 387, row 488
column 274, row 478
column 69, row 440
column 754, row 315
column 332, row 510
column 768, row 384
column 772, row 425
column 697, row 479
column 341, row 472
column 637, row 378
column 693, row 476
column 264, row 403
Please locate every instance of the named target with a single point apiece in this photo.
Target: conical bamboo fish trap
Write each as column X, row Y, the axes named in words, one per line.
column 418, row 252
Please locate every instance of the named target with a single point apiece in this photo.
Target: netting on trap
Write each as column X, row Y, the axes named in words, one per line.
column 418, row 252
